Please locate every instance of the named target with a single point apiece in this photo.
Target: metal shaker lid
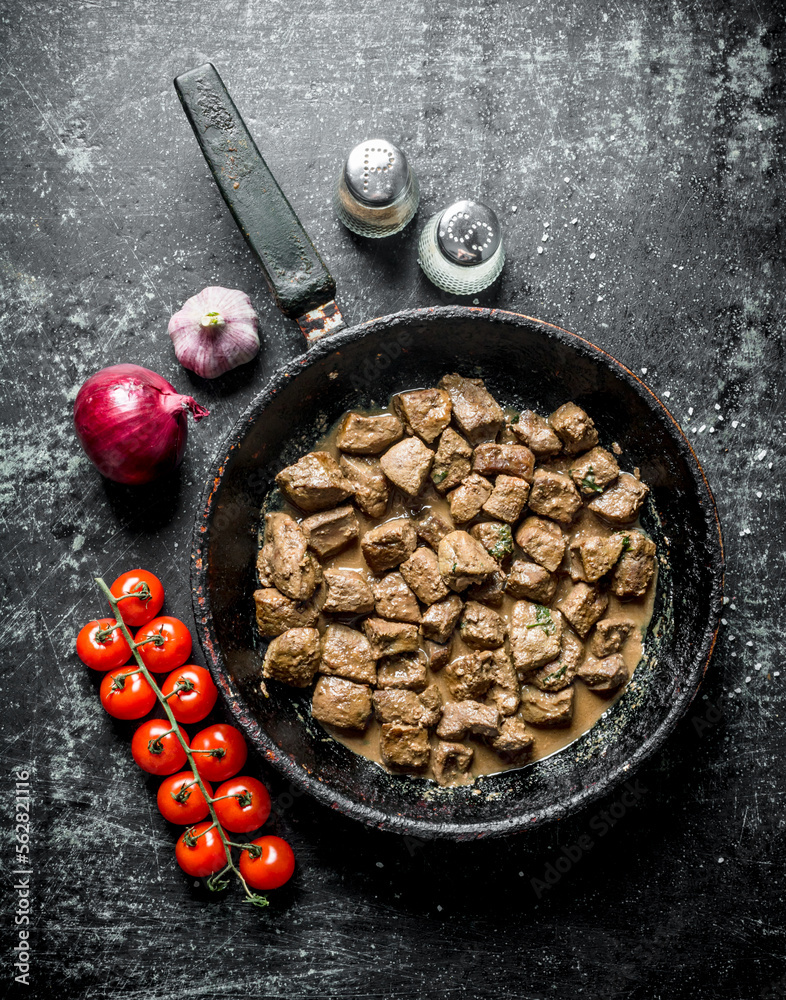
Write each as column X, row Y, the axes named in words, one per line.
column 376, row 172
column 468, row 233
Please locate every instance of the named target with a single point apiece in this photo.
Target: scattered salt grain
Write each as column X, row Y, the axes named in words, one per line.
column 717, row 406
column 724, row 622
column 544, row 238
column 592, row 256
column 702, row 429
column 540, row 249
column 747, row 680
column 735, row 424
column 439, row 909
column 380, row 865
column 749, row 642
column 757, row 666
column 515, row 208
column 667, row 394
column 566, row 179
column 546, row 225
column 690, row 411
column 720, row 861
column 574, row 222
column 761, row 455
column 643, row 371
column 758, row 494
column 777, row 673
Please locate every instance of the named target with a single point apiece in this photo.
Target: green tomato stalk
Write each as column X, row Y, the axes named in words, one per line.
column 215, row 882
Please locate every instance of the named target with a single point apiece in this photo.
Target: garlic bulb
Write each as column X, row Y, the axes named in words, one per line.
column 215, row 330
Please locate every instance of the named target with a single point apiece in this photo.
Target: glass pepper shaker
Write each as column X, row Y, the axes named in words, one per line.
column 461, row 250
column 377, row 191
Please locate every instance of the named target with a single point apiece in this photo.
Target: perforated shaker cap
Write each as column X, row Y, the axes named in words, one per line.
column 376, row 172
column 468, row 233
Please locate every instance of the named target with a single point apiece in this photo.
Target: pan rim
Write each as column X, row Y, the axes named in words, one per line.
column 353, row 807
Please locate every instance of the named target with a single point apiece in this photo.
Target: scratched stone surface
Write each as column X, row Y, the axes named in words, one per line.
column 634, row 152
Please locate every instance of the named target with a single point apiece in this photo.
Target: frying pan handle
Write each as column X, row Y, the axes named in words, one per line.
column 298, row 279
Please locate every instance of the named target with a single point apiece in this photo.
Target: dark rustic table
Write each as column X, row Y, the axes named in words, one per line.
column 634, row 153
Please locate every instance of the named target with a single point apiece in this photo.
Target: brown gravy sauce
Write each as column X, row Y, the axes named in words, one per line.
column 588, row 705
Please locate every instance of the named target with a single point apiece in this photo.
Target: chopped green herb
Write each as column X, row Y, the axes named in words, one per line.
column 588, row 483
column 437, row 477
column 625, row 543
column 543, row 620
column 557, row 675
column 504, row 547
column 515, row 418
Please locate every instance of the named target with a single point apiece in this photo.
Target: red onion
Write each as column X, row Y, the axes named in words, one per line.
column 132, row 424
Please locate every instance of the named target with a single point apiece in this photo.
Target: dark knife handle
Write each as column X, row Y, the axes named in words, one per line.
column 296, row 274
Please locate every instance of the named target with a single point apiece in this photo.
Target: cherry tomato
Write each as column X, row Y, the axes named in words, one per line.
column 246, row 808
column 138, row 610
column 102, row 650
column 156, row 748
column 200, row 851
column 172, row 645
column 193, row 693
column 220, row 751
column 272, row 867
column 180, row 799
column 125, row 694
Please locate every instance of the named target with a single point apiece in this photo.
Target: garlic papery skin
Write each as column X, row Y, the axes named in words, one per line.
column 215, row 331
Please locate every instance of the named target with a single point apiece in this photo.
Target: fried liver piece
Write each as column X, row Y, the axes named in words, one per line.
column 598, row 554
column 276, row 613
column 528, row 579
column 426, row 411
column 341, row 703
column 491, row 459
column 535, row 635
column 406, row 746
column 431, row 528
column 450, row 758
column 583, row 606
column 368, row 435
column 514, row 741
column 620, row 504
column 470, row 676
column 610, row 635
column 452, row 462
column 438, row 621
column 292, row 568
column 371, row 489
column 560, row 672
column 438, row 653
column 574, row 428
column 605, row 675
column 408, row 671
column 407, row 464
column 476, row 413
column 553, row 495
column 491, row 591
column 508, row 499
column 462, row 717
column 547, row 708
column 395, row 600
column 389, row 544
column 636, row 568
column 466, row 500
column 348, row 592
column 390, row 638
column 421, row 571
column 543, row 541
column 330, row 531
column 496, row 538
column 347, row 653
column 534, row 431
column 505, row 691
column 463, row 561
column 314, row 482
column 293, row 657
column 481, row 628
column 396, row 705
column 594, row 470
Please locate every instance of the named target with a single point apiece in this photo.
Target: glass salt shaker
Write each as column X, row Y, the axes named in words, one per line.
column 461, row 250
column 377, row 192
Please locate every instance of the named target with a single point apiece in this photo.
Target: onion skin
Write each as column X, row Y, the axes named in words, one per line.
column 132, row 423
